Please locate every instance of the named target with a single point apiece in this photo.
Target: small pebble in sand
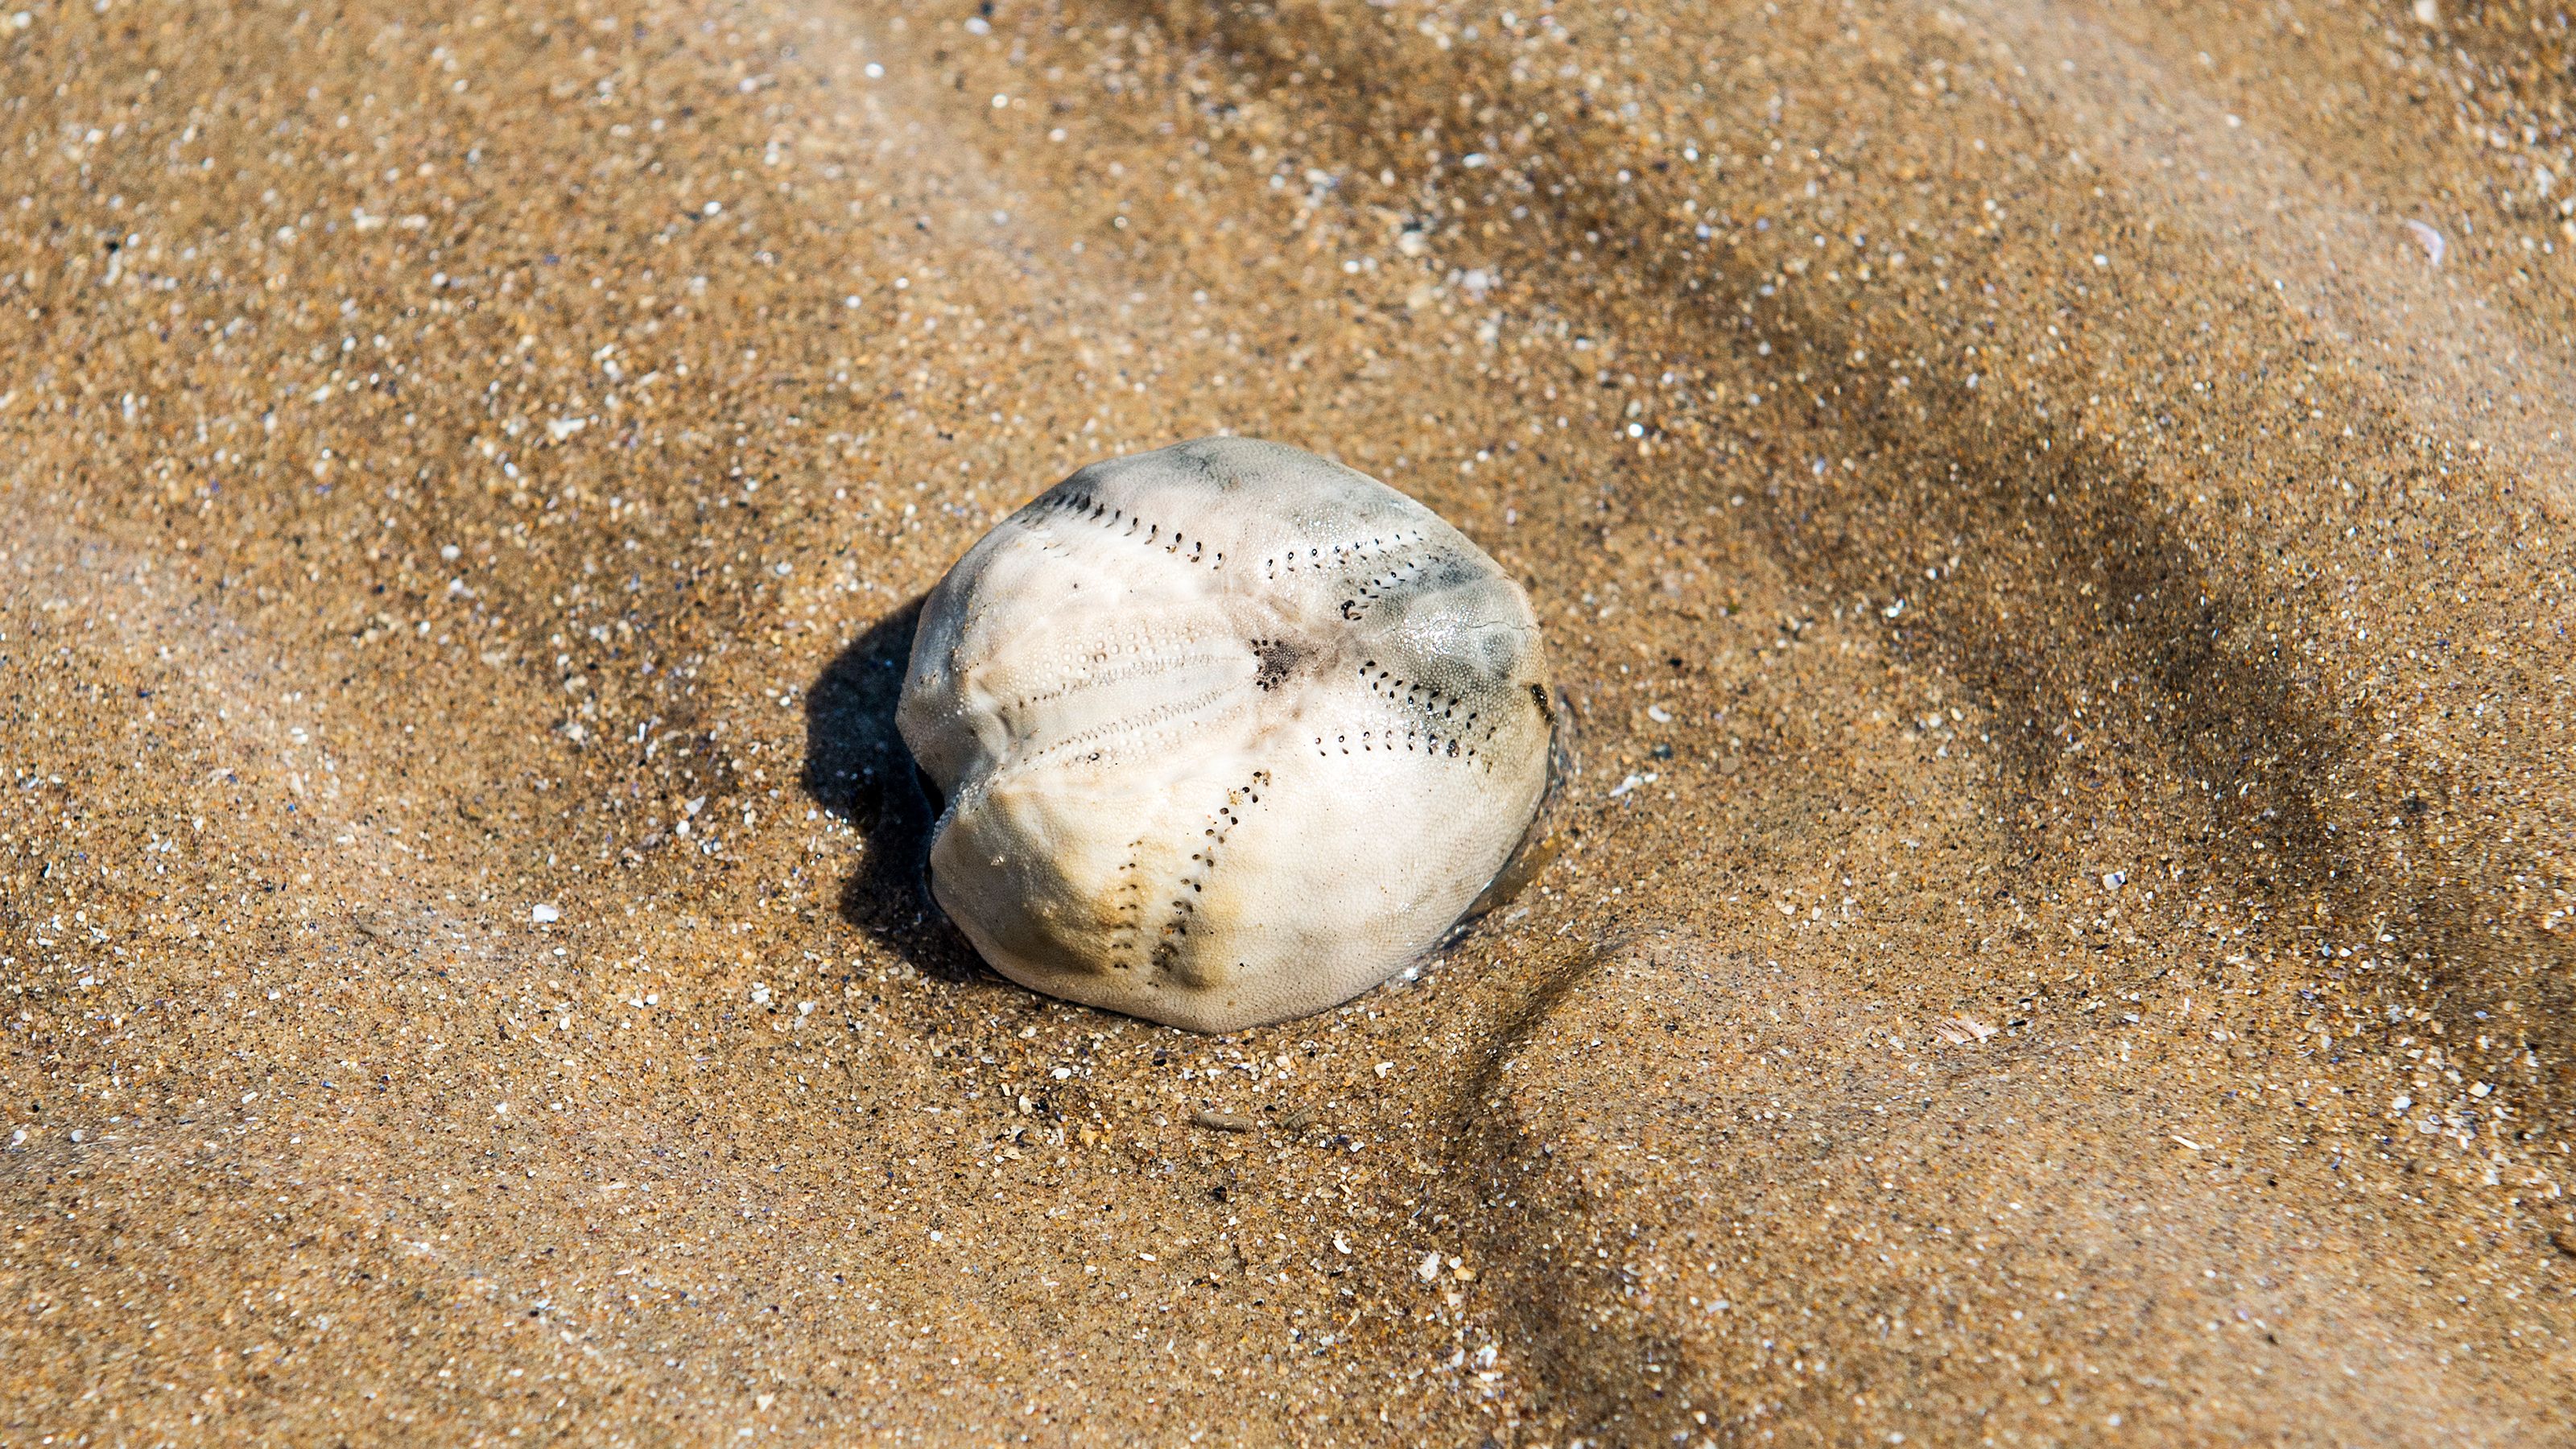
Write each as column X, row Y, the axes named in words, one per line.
column 1228, row 733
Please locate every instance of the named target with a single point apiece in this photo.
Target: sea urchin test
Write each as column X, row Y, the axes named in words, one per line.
column 1228, row 733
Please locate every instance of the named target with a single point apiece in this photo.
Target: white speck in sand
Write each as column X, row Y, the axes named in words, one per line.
column 543, row 914
column 2434, row 247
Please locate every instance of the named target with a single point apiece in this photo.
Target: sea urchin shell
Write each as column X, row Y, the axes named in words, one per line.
column 1228, row 733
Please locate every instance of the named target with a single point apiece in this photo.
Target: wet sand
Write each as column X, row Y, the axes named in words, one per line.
column 2054, row 524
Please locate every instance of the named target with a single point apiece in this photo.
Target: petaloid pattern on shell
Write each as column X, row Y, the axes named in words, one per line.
column 1228, row 733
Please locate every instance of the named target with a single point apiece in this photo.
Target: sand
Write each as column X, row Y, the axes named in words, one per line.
column 2059, row 930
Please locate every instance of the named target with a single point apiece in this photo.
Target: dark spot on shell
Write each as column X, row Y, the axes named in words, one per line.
column 1277, row 658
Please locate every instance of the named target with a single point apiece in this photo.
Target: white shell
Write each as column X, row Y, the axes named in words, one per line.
column 1228, row 733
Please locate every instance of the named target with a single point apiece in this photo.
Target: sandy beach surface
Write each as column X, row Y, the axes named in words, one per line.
column 2054, row 522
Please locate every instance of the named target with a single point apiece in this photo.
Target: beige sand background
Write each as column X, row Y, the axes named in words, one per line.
column 2061, row 934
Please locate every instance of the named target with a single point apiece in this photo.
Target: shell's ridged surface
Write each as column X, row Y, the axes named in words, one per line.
column 1228, row 733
